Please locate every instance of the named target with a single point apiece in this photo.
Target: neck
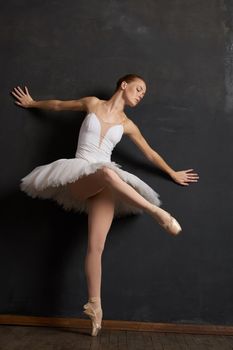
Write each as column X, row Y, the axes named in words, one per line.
column 116, row 103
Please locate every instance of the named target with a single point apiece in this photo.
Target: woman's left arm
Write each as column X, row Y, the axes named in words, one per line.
column 182, row 177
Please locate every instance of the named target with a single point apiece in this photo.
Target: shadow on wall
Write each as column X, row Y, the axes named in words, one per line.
column 42, row 240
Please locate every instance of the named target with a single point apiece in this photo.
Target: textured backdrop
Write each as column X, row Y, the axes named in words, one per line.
column 61, row 50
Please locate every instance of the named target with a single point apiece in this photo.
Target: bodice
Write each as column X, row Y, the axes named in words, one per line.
column 97, row 138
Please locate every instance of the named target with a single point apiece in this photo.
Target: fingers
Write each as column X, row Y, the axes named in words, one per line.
column 18, row 93
column 184, row 184
column 193, row 177
column 186, row 181
column 21, row 96
column 184, row 177
column 22, row 92
column 13, row 93
column 186, row 171
column 191, row 180
column 18, row 103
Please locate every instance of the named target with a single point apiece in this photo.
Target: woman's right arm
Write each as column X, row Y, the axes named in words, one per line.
column 25, row 100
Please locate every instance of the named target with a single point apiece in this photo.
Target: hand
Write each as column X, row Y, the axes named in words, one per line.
column 184, row 176
column 24, row 99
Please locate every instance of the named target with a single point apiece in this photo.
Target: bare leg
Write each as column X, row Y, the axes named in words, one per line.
column 92, row 184
column 108, row 178
column 100, row 215
column 129, row 194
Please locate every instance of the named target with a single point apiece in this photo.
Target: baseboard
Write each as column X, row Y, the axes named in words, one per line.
column 116, row 325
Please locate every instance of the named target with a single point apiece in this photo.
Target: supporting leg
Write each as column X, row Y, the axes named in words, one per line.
column 100, row 215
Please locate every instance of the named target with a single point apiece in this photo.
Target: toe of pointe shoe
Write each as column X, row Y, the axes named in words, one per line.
column 95, row 331
column 96, row 326
column 173, row 227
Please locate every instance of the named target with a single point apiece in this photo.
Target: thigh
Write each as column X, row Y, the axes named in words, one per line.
column 100, row 215
column 87, row 185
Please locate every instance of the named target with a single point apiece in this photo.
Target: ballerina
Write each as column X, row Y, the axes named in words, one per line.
column 92, row 183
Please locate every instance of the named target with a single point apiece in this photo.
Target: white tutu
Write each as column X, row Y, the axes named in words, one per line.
column 93, row 152
column 49, row 182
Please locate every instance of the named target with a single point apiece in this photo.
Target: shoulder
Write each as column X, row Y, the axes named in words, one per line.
column 130, row 128
column 90, row 101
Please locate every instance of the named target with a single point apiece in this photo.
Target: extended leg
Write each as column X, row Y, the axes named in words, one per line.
column 128, row 193
column 107, row 178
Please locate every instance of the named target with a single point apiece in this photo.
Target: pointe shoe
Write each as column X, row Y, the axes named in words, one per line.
column 95, row 313
column 171, row 225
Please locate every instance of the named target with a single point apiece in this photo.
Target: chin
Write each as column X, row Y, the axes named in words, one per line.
column 133, row 104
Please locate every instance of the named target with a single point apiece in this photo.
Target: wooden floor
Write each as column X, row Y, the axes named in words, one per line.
column 45, row 338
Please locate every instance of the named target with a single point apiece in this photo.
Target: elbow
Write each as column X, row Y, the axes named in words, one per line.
column 152, row 156
column 148, row 155
column 56, row 105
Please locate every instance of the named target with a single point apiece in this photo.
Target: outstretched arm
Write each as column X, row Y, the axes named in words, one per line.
column 25, row 100
column 182, row 177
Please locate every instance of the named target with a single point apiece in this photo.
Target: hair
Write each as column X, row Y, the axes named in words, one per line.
column 128, row 78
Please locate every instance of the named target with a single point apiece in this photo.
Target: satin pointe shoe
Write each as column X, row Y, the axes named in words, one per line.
column 95, row 313
column 170, row 224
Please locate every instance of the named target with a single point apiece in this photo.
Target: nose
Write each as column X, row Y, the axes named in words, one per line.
column 140, row 97
column 141, row 94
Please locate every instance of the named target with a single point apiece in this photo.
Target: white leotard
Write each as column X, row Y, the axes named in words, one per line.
column 97, row 138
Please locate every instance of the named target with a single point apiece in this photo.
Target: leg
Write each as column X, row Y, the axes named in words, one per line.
column 100, row 215
column 126, row 192
column 105, row 177
column 89, row 185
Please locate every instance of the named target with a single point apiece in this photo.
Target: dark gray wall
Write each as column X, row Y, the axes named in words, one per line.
column 78, row 48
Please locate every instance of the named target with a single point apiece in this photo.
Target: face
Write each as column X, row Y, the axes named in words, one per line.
column 133, row 91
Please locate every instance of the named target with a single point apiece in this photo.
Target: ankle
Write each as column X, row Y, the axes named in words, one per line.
column 152, row 209
column 95, row 301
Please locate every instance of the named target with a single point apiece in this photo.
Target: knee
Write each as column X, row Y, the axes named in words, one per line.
column 109, row 175
column 96, row 248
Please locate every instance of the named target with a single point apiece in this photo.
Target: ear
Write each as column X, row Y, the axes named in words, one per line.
column 123, row 85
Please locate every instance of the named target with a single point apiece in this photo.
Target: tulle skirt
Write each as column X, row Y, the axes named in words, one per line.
column 50, row 182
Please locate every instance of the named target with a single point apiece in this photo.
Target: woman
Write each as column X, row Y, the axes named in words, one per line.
column 92, row 183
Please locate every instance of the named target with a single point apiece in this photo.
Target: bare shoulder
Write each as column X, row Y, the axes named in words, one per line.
column 134, row 133
column 89, row 102
column 130, row 128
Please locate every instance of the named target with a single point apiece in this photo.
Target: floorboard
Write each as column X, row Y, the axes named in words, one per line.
column 48, row 338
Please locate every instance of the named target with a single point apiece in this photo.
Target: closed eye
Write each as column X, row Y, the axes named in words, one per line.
column 141, row 90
